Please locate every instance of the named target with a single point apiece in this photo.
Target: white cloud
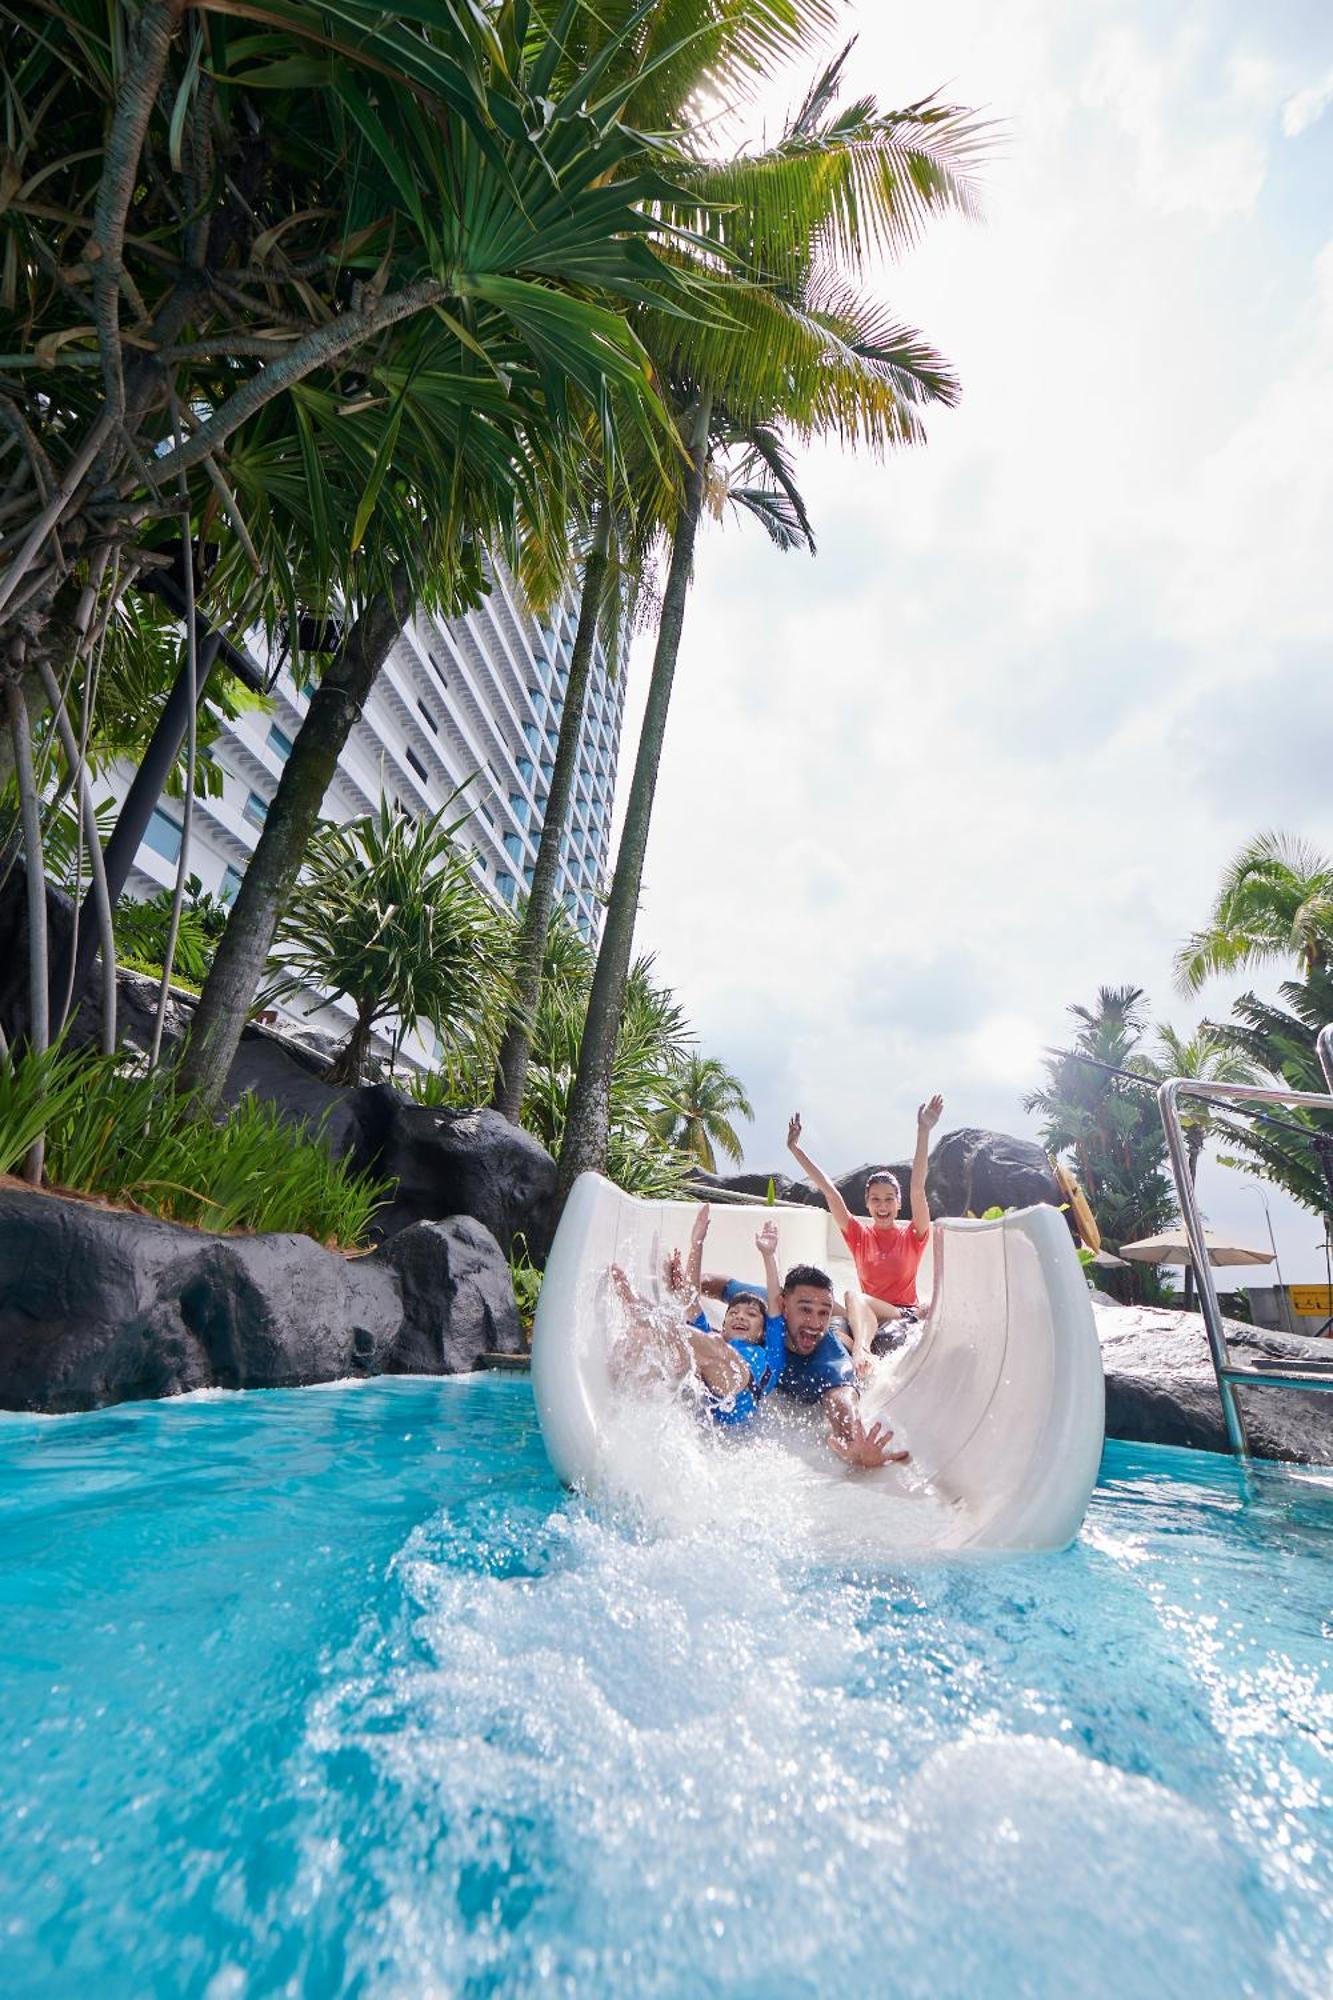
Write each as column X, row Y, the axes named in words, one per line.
column 1307, row 107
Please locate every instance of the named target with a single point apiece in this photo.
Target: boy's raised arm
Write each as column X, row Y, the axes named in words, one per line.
column 695, row 1262
column 766, row 1243
column 838, row 1208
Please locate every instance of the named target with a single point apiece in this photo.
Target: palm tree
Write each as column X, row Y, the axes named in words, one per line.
column 1277, row 1038
column 652, row 1042
column 516, row 387
column 389, row 917
column 1107, row 1122
column 796, row 347
column 661, row 62
column 696, row 1117
column 511, row 1069
column 1206, row 1056
column 1275, row 904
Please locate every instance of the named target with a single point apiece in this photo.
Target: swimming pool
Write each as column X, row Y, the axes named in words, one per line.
column 334, row 1692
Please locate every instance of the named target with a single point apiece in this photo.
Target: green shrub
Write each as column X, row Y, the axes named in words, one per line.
column 130, row 1138
column 142, row 929
column 526, row 1280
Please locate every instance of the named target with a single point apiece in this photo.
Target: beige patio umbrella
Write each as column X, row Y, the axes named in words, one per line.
column 1172, row 1247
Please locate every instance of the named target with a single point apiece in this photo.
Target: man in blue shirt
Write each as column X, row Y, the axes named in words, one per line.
column 817, row 1367
column 732, row 1370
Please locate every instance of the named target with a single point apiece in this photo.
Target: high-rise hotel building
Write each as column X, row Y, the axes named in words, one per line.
column 475, row 698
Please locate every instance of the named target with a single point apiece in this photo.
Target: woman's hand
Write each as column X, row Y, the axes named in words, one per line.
column 793, row 1131
column 928, row 1114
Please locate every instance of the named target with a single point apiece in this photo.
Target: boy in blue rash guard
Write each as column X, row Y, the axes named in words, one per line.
column 752, row 1327
column 735, row 1368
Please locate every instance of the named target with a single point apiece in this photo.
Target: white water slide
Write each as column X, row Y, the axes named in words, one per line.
column 998, row 1397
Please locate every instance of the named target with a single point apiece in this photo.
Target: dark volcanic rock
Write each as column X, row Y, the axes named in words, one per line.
column 1161, row 1389
column 457, row 1299
column 464, row 1163
column 971, row 1171
column 100, row 1306
column 852, row 1186
column 353, row 1121
column 754, row 1187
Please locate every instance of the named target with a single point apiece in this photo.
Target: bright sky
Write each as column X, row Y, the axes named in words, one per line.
column 993, row 746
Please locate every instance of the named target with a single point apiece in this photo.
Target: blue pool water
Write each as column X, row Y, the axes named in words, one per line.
column 334, row 1692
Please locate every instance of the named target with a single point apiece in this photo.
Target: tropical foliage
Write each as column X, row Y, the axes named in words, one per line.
column 1208, row 1055
column 1107, row 1125
column 130, row 1138
column 1275, row 904
column 388, row 916
column 654, row 1038
column 1276, row 1038
column 305, row 310
column 799, row 351
column 702, row 1098
column 143, row 931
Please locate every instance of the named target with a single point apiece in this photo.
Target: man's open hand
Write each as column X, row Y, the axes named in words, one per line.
column 867, row 1449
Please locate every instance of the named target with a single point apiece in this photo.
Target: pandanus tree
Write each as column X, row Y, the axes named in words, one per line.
column 798, row 351
column 388, row 916
column 573, row 234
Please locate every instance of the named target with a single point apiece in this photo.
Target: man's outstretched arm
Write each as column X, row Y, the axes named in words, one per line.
column 838, row 1208
column 865, row 1449
column 927, row 1118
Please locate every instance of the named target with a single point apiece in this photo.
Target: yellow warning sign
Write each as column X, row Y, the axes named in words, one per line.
column 1311, row 1301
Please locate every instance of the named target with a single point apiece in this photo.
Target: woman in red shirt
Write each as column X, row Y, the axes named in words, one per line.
column 886, row 1252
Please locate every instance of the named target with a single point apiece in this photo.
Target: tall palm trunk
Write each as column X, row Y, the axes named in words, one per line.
column 292, row 818
column 588, row 1122
column 511, row 1073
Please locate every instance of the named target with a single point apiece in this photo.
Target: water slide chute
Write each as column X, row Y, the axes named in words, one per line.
column 998, row 1397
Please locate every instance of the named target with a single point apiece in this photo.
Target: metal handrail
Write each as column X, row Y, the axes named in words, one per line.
column 1289, row 1375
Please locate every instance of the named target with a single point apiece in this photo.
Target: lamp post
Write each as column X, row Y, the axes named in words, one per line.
column 1253, row 1188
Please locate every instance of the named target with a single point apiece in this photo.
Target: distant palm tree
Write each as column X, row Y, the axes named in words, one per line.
column 696, row 1117
column 1206, row 1057
column 1095, row 1111
column 1275, row 903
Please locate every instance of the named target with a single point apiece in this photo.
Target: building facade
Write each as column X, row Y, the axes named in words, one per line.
column 471, row 702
